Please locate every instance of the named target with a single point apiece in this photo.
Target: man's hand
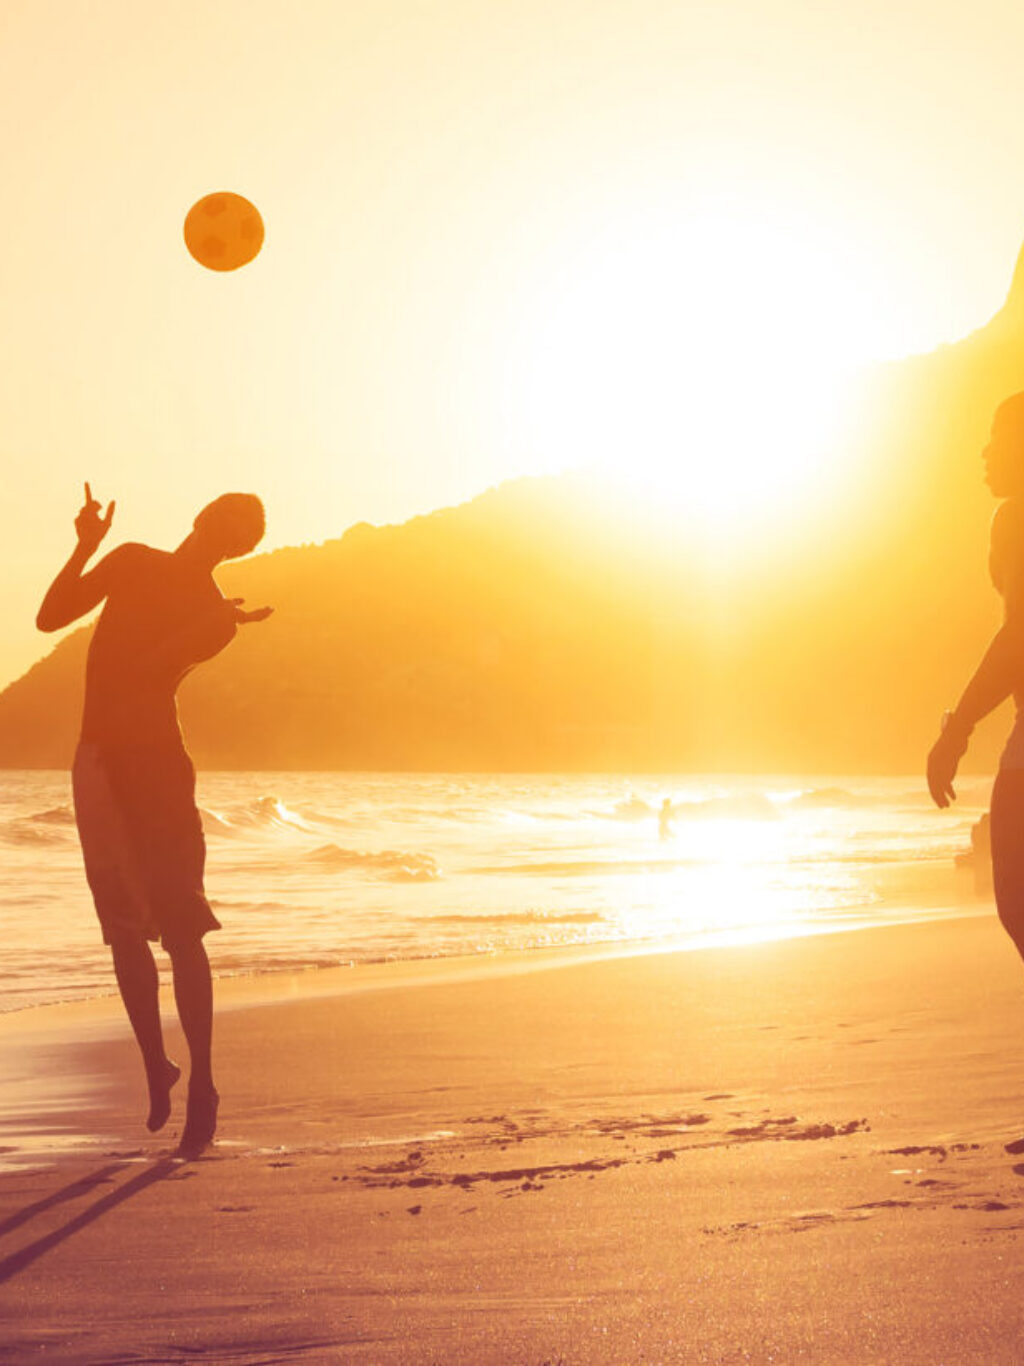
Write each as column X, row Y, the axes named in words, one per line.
column 89, row 525
column 944, row 759
column 242, row 617
column 942, row 765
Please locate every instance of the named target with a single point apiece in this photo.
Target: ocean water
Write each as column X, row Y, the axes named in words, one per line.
column 306, row 870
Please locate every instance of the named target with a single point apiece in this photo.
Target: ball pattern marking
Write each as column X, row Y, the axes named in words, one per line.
column 223, row 231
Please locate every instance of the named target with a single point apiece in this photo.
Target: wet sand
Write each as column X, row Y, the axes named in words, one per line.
column 787, row 1152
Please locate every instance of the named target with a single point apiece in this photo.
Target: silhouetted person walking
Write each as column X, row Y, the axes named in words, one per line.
column 1000, row 673
column 134, row 784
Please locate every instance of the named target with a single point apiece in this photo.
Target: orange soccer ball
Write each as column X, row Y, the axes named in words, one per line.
column 223, row 231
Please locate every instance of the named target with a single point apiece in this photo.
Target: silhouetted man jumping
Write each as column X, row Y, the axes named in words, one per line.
column 133, row 781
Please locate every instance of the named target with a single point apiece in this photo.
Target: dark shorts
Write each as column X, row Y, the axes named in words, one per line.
column 142, row 841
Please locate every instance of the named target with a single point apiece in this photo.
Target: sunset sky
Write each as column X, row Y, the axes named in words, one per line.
column 501, row 238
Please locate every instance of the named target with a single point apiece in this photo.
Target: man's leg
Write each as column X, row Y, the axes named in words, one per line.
column 1007, row 831
column 138, row 982
column 193, row 994
column 1007, row 835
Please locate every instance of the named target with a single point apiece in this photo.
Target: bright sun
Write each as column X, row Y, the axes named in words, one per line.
column 705, row 360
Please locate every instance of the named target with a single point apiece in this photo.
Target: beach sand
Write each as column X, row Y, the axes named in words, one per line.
column 785, row 1152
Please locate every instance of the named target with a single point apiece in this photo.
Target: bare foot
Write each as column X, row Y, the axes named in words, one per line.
column 200, row 1122
column 160, row 1095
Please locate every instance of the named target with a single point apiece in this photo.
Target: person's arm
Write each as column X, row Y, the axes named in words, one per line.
column 203, row 637
column 73, row 593
column 1001, row 669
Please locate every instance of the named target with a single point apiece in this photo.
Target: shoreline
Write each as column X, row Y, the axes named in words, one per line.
column 905, row 899
column 242, row 990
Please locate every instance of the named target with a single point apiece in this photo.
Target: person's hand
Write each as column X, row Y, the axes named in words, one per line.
column 943, row 761
column 90, row 527
column 242, row 617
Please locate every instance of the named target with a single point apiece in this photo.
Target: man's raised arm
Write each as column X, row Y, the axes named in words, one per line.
column 73, row 593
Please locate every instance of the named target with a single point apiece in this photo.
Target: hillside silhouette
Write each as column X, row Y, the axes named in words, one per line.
column 545, row 626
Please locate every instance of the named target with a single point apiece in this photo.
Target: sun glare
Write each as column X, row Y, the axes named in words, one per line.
column 705, row 360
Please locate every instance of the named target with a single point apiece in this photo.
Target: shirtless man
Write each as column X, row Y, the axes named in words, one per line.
column 1000, row 673
column 133, row 781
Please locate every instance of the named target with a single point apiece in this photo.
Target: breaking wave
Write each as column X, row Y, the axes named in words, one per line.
column 389, row 863
column 56, row 815
column 740, row 806
column 262, row 813
column 22, row 832
column 829, row 797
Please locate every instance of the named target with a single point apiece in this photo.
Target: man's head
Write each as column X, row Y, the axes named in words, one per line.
column 231, row 525
column 1004, row 454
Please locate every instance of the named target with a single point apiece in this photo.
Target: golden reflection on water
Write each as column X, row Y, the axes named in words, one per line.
column 746, row 880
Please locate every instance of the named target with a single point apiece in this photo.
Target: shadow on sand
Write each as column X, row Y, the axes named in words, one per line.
column 18, row 1261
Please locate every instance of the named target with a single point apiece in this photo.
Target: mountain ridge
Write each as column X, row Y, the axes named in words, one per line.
column 543, row 625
